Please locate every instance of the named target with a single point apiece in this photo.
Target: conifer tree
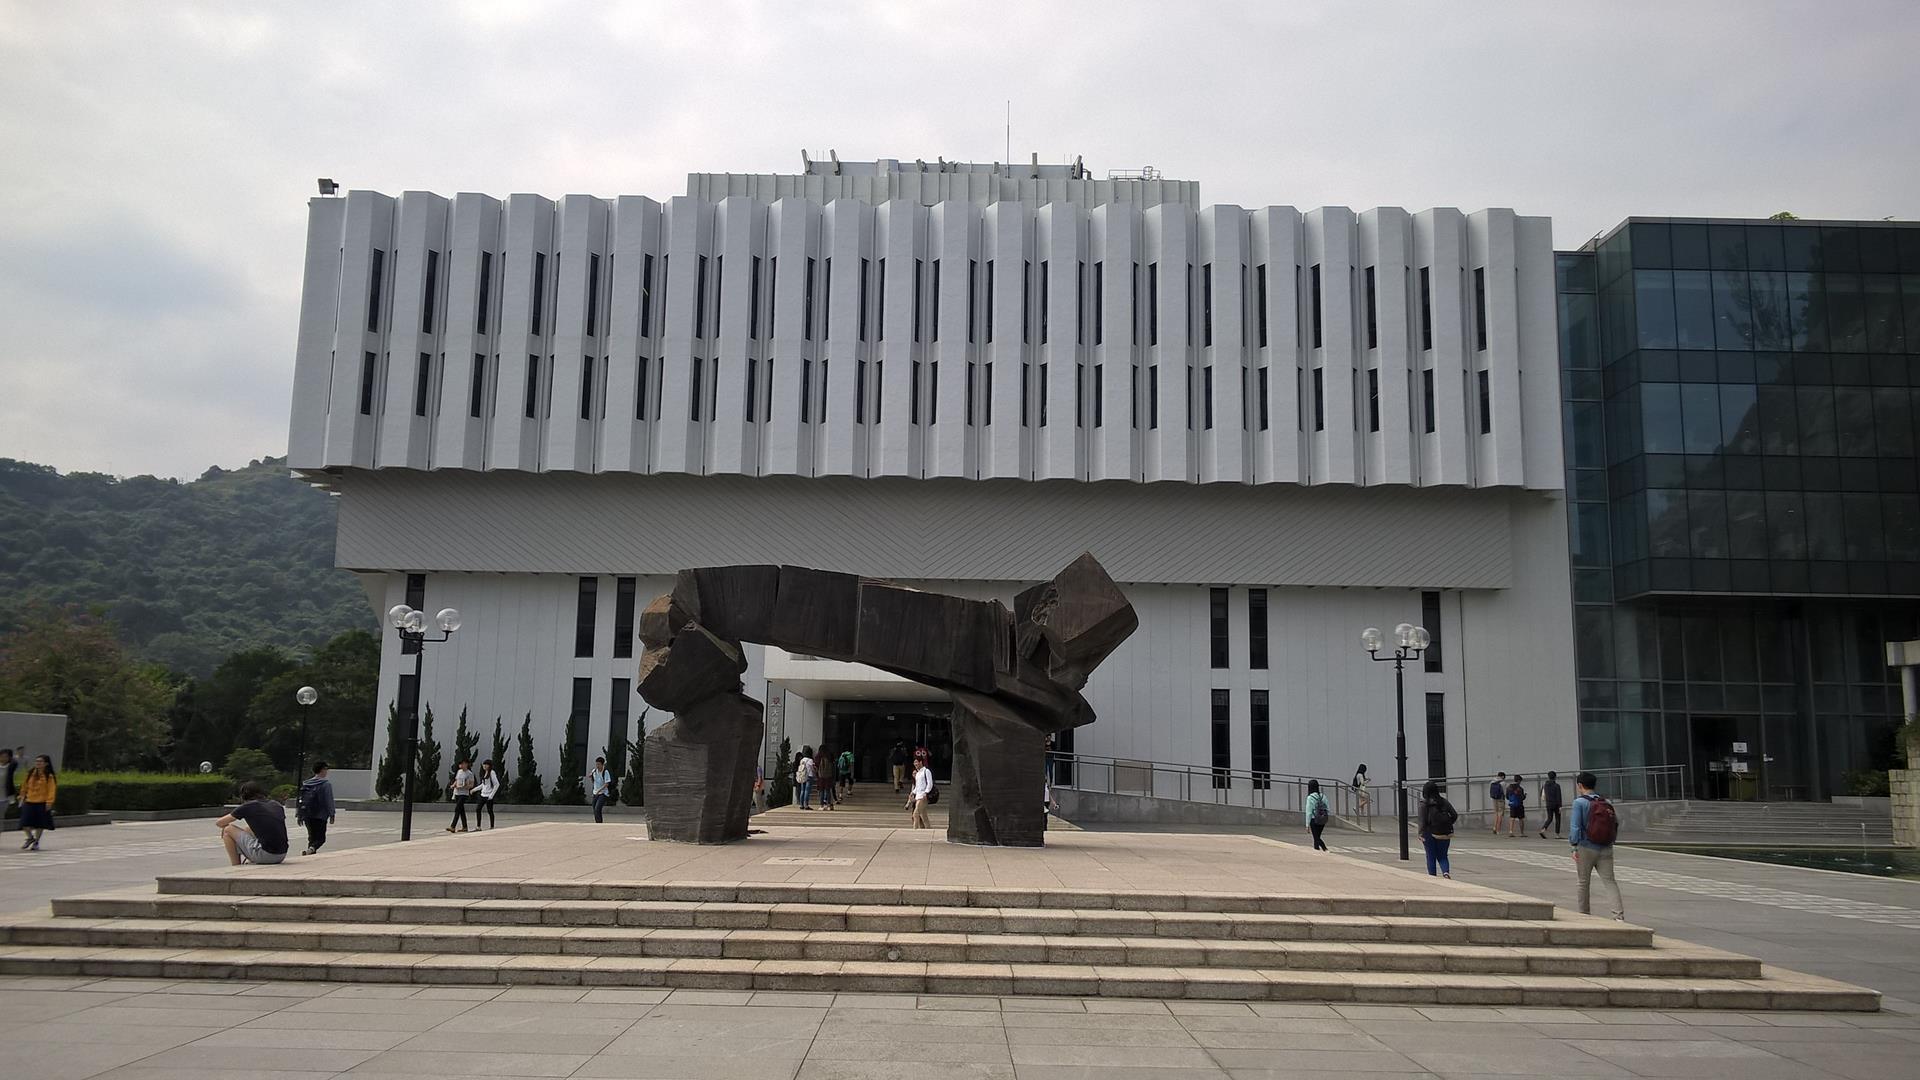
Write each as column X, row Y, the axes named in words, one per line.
column 427, row 781
column 466, row 744
column 526, row 782
column 499, row 757
column 387, row 781
column 570, row 787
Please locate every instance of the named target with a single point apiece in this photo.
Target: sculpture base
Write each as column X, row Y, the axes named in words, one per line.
column 699, row 772
column 999, row 779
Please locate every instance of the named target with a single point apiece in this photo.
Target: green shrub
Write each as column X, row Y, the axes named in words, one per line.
column 146, row 791
column 72, row 796
column 247, row 764
column 283, row 792
column 780, row 784
column 1867, row 782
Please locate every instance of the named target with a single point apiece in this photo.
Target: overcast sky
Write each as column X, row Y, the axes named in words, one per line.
column 156, row 158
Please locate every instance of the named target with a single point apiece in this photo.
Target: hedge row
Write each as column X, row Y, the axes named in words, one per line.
column 81, row 792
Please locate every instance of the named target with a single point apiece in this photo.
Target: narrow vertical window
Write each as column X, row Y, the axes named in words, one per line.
column 1430, row 619
column 1426, row 310
column 859, row 391
column 986, row 387
column 933, row 392
column 1486, row 404
column 1222, row 703
column 719, row 294
column 1080, row 306
column 1220, row 648
column 1206, row 301
column 620, row 702
column 773, row 299
column 973, row 290
column 369, row 370
column 1319, row 401
column 477, row 395
column 539, row 290
column 429, row 301
column 1263, row 399
column 1153, row 303
column 1246, row 402
column 1079, row 395
column 1153, row 397
column 577, row 723
column 1026, row 391
column 971, row 370
column 1026, row 297
column 865, row 264
column 806, row 305
column 935, row 302
column 1373, row 323
column 766, row 411
column 1133, row 284
column 375, row 284
column 1260, row 279
column 826, row 306
column 879, row 388
column 1436, row 734
column 1426, row 399
column 1480, row 307
column 1099, row 395
column 486, row 292
column 1313, row 279
column 919, row 295
column 1133, row 397
column 1257, row 629
column 753, row 374
column 991, row 263
column 753, row 299
column 1260, row 722
column 913, row 393
column 625, row 593
column 693, row 395
column 824, row 372
column 1373, row 399
column 700, row 298
column 1206, row 394
column 1099, row 303
column 583, row 618
column 806, row 390
column 1046, row 309
column 640, row 392
column 532, row 402
column 1043, row 394
column 880, row 320
column 666, row 277
column 593, row 295
column 1191, row 394
column 1192, row 305
column 646, row 296
column 422, row 384
column 586, row 388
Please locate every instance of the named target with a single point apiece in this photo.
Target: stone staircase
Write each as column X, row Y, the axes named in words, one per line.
column 1478, row 946
column 1771, row 825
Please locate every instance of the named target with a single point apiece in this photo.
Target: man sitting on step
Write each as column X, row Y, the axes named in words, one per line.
column 256, row 831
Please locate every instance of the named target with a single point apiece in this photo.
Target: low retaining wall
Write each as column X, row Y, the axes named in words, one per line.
column 1904, row 786
column 1101, row 808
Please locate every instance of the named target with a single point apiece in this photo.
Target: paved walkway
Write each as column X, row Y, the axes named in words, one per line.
column 80, row 1029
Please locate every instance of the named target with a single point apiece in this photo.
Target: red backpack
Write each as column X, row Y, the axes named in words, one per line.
column 1603, row 825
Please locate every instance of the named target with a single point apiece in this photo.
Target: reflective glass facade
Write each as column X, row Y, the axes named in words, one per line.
column 1744, row 499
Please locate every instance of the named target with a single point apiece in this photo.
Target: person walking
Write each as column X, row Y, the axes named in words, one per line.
column 1550, row 802
column 256, row 831
column 36, row 801
column 313, row 807
column 824, row 778
column 1362, row 798
column 1317, row 814
column 897, row 761
column 843, row 767
column 1497, row 795
column 1516, row 806
column 600, row 786
column 922, row 793
column 1437, row 819
column 484, row 794
column 462, row 788
column 1592, row 830
column 9, row 792
column 803, row 777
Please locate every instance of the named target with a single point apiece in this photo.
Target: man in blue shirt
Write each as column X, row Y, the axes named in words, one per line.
column 600, row 782
column 1497, row 795
column 1593, row 849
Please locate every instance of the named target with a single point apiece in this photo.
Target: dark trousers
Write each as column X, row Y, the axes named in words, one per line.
column 599, row 804
column 1437, row 854
column 316, row 833
column 459, row 812
column 483, row 805
column 1316, row 828
column 1552, row 818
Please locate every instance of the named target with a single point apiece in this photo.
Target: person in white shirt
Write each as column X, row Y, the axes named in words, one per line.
column 922, row 789
column 462, row 787
column 485, row 794
column 600, row 783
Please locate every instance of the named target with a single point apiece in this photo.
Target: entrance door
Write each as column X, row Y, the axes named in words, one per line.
column 872, row 728
column 1727, row 758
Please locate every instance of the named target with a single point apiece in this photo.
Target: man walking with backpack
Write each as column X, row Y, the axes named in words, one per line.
column 1550, row 800
column 1497, row 796
column 314, row 808
column 1593, row 830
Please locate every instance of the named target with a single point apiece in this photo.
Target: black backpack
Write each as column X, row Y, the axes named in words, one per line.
column 1443, row 817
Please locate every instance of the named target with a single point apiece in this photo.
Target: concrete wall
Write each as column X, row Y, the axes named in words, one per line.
column 1099, row 807
column 1904, row 785
column 39, row 733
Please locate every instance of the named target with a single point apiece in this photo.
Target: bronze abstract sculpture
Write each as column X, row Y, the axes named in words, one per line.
column 1015, row 677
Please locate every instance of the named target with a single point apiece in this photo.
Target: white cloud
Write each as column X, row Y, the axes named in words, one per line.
column 157, row 157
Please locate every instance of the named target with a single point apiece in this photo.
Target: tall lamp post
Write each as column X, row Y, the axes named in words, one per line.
column 1409, row 642
column 306, row 696
column 411, row 625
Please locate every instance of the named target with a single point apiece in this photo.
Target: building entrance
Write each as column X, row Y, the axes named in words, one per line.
column 872, row 727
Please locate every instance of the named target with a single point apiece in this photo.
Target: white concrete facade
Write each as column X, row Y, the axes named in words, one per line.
column 938, row 377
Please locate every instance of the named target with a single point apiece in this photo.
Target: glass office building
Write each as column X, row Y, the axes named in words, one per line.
column 1741, row 401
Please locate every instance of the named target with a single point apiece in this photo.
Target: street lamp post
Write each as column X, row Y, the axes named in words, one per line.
column 1409, row 642
column 306, row 696
column 411, row 626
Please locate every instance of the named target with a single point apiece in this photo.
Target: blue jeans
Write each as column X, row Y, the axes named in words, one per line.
column 1437, row 854
column 806, row 794
column 599, row 804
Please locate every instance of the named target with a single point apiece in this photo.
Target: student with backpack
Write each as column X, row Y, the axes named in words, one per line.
column 1516, row 806
column 1550, row 799
column 1497, row 797
column 1317, row 814
column 1593, row 829
column 1437, row 818
column 313, row 807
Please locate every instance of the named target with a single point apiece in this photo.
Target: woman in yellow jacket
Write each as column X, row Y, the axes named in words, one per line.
column 36, row 802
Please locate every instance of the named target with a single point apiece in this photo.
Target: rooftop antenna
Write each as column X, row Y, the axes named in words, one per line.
column 1009, row 131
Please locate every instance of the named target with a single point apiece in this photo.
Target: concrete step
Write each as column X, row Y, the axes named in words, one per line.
column 1576, row 930
column 1662, row 959
column 1470, row 903
column 1773, row 990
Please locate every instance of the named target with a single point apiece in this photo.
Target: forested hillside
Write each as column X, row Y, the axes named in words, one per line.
column 189, row 573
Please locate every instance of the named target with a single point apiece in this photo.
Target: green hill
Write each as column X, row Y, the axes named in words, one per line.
column 190, row 572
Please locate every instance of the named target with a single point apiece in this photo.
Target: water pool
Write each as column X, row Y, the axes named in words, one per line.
column 1877, row 862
